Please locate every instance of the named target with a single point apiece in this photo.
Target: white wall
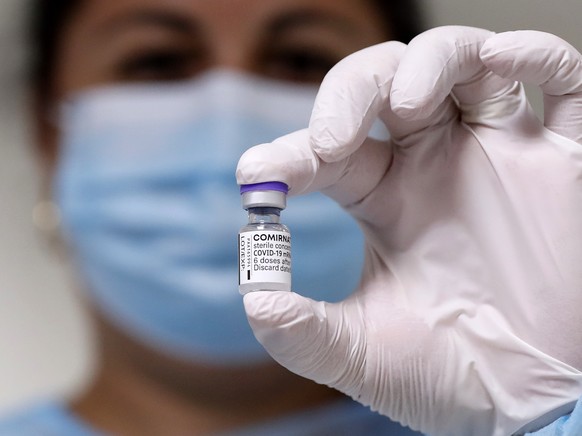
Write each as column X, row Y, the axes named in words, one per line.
column 44, row 342
column 561, row 17
column 44, row 346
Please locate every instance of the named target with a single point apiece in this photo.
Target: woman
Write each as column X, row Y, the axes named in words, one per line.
column 142, row 108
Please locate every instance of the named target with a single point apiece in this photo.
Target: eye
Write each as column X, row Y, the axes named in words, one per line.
column 161, row 65
column 306, row 65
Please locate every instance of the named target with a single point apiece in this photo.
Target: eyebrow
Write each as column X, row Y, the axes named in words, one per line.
column 151, row 17
column 288, row 21
column 180, row 24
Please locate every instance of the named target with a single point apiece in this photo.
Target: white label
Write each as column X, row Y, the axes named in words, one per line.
column 265, row 257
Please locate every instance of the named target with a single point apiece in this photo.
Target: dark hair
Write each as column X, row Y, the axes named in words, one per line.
column 50, row 17
column 404, row 18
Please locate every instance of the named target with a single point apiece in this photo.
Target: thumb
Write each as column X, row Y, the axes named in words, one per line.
column 310, row 338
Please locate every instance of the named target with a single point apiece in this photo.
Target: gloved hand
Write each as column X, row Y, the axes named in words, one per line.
column 467, row 319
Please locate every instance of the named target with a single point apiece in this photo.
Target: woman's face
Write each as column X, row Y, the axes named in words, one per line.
column 118, row 41
column 125, row 41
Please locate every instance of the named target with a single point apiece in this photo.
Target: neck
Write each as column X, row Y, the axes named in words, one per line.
column 139, row 392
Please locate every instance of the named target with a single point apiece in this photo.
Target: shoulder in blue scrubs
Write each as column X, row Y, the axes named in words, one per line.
column 345, row 417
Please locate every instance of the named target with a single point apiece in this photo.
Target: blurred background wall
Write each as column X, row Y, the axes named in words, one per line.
column 45, row 346
column 44, row 341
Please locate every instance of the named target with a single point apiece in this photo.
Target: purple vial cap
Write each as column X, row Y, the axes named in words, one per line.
column 265, row 186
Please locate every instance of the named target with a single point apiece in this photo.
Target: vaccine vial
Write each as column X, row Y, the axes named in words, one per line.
column 264, row 244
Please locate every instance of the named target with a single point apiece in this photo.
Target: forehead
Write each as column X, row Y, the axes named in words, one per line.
column 228, row 12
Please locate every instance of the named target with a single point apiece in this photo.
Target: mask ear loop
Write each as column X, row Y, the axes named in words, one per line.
column 46, row 214
column 46, row 219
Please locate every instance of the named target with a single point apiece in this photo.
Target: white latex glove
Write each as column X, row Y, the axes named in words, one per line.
column 468, row 317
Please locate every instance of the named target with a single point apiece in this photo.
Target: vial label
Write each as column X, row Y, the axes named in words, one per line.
column 264, row 261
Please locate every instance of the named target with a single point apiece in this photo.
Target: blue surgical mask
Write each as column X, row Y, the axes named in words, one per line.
column 151, row 209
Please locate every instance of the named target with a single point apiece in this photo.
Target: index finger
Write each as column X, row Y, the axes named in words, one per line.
column 350, row 99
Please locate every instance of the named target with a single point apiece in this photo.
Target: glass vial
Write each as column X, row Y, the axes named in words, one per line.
column 264, row 244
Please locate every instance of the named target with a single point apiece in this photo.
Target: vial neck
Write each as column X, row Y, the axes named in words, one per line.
column 264, row 214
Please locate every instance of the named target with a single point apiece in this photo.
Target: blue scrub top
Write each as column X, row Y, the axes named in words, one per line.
column 341, row 418
column 567, row 425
